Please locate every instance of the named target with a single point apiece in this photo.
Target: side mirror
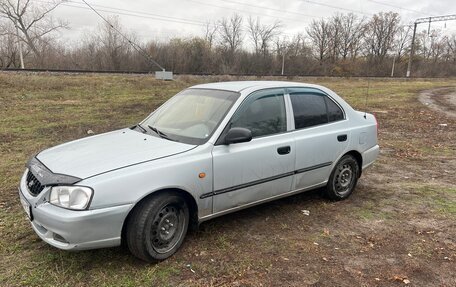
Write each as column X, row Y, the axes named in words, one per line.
column 238, row 135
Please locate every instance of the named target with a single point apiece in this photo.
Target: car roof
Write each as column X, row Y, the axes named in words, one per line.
column 238, row 86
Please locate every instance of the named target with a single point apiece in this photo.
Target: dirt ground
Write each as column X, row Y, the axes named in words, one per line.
column 442, row 100
column 397, row 229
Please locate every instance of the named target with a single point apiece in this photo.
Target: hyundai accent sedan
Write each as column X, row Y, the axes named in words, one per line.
column 210, row 150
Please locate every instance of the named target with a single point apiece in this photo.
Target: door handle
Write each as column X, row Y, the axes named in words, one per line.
column 284, row 150
column 342, row 138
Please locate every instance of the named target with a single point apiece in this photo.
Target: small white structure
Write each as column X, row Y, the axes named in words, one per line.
column 164, row 75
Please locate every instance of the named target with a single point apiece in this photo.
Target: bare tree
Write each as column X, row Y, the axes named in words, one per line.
column 295, row 55
column 210, row 33
column 88, row 53
column 437, row 46
column 451, row 47
column 231, row 33
column 280, row 45
column 115, row 49
column 381, row 31
column 32, row 19
column 254, row 32
column 319, row 34
column 297, row 46
column 352, row 31
column 8, row 46
column 422, row 44
column 402, row 41
column 335, row 36
column 3, row 28
column 262, row 35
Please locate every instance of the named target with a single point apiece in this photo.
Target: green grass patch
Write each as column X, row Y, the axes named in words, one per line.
column 441, row 199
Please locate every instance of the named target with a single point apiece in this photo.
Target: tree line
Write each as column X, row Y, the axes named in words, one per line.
column 341, row 45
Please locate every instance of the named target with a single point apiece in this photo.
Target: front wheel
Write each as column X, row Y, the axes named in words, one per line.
column 343, row 178
column 157, row 227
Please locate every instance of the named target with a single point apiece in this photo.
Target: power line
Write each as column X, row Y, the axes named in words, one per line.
column 141, row 12
column 135, row 15
column 118, row 11
column 145, row 15
column 398, row 7
column 153, row 16
column 243, row 11
column 248, row 12
column 337, row 7
column 134, row 45
column 268, row 8
column 127, row 12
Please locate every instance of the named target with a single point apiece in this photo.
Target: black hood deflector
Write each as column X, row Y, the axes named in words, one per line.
column 46, row 177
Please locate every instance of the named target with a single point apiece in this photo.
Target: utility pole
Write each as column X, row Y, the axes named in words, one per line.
column 19, row 46
column 392, row 69
column 412, row 50
column 420, row 21
column 282, row 48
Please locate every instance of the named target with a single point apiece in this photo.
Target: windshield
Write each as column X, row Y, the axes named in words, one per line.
column 190, row 116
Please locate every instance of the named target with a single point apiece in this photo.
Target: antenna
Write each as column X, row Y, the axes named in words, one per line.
column 367, row 95
column 134, row 45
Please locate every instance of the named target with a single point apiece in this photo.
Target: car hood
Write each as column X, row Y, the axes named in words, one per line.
column 105, row 152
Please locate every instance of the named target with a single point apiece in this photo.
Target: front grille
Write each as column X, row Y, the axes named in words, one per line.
column 33, row 184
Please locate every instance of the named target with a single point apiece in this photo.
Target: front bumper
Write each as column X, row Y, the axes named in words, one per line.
column 74, row 230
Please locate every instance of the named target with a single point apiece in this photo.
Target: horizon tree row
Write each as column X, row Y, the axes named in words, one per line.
column 341, row 45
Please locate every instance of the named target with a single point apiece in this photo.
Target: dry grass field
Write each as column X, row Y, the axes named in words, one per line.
column 397, row 227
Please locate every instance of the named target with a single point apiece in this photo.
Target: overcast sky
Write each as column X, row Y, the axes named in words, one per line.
column 165, row 19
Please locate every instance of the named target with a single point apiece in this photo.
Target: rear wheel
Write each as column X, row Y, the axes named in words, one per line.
column 157, row 227
column 343, row 178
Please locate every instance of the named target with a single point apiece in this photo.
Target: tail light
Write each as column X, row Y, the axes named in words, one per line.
column 376, row 123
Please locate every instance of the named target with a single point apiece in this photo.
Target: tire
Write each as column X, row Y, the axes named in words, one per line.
column 157, row 226
column 343, row 178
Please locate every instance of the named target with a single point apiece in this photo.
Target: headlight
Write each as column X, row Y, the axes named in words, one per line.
column 72, row 197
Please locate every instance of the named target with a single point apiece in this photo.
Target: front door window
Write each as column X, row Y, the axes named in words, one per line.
column 263, row 114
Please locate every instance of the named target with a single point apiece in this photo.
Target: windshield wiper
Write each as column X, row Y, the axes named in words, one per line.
column 155, row 130
column 141, row 127
column 160, row 133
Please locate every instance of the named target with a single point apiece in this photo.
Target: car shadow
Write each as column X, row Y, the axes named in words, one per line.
column 258, row 212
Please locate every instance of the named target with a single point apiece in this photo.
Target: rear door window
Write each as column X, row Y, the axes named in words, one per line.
column 334, row 111
column 309, row 110
column 312, row 108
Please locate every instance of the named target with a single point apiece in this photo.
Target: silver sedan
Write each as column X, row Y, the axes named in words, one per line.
column 210, row 150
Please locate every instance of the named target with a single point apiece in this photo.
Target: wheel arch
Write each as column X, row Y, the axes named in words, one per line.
column 189, row 199
column 359, row 159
